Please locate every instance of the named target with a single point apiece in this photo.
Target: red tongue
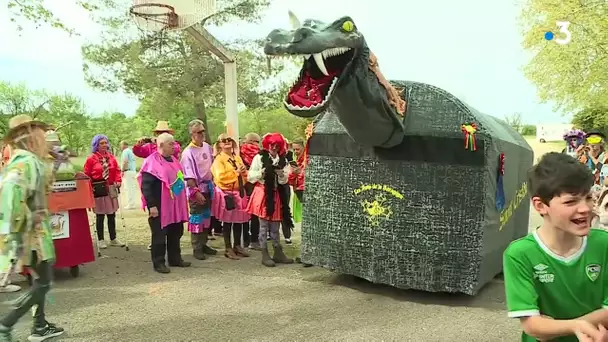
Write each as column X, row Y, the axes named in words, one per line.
column 309, row 91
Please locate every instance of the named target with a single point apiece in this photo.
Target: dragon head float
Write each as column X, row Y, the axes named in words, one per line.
column 339, row 73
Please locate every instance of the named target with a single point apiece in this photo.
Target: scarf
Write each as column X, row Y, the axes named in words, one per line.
column 270, row 181
column 105, row 165
column 248, row 151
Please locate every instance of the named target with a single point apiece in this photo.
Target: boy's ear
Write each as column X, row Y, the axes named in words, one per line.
column 539, row 205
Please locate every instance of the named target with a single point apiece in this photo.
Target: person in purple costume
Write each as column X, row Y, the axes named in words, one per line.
column 196, row 162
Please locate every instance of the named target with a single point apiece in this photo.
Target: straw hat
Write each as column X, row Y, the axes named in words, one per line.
column 162, row 126
column 21, row 121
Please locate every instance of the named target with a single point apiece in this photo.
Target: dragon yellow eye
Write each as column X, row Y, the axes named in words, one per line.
column 348, row 26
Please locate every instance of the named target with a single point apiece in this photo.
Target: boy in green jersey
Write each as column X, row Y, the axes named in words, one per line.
column 554, row 277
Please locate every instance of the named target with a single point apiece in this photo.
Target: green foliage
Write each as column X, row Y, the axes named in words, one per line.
column 592, row 118
column 572, row 75
column 37, row 12
column 528, row 130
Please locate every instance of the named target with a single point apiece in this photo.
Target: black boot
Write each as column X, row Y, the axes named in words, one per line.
column 279, row 257
column 197, row 246
column 266, row 259
column 206, row 249
column 162, row 268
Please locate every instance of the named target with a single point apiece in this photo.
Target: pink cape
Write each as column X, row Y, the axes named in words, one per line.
column 174, row 208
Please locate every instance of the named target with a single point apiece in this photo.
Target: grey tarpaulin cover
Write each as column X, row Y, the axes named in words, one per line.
column 421, row 215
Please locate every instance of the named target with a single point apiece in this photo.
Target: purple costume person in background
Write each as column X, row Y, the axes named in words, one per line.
column 196, row 162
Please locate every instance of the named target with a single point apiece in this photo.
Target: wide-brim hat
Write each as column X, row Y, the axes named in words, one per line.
column 162, row 126
column 21, row 121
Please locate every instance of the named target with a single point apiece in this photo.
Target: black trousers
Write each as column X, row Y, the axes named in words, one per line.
column 286, row 210
column 251, row 230
column 216, row 225
column 165, row 241
column 36, row 295
column 111, row 225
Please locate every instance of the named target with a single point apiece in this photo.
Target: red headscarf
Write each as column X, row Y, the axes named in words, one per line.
column 272, row 139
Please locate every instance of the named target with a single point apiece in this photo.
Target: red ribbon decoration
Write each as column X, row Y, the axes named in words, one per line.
column 501, row 164
column 469, row 136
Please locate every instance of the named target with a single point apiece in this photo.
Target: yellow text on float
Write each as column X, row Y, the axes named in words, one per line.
column 383, row 187
column 506, row 214
column 377, row 209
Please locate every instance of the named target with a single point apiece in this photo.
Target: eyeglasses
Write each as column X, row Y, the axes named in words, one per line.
column 227, row 140
column 199, row 132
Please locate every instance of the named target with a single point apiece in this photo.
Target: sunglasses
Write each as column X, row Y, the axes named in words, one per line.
column 227, row 140
column 199, row 132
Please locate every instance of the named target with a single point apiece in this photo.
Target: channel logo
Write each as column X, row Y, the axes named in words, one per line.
column 563, row 29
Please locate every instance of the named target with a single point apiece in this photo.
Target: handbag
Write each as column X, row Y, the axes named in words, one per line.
column 229, row 200
column 100, row 188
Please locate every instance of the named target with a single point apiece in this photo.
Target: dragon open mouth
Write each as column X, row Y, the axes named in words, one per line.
column 318, row 78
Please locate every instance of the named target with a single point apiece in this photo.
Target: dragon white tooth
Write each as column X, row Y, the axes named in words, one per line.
column 307, row 56
column 320, row 63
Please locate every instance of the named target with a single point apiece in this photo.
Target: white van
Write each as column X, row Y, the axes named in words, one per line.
column 551, row 132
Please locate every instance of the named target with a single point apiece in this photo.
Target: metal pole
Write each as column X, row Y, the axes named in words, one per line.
column 232, row 118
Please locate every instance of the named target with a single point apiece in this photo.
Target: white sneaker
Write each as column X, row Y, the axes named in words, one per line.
column 10, row 288
column 102, row 244
column 116, row 243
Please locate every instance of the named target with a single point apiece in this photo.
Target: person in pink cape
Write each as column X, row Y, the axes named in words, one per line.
column 146, row 146
column 164, row 195
column 196, row 161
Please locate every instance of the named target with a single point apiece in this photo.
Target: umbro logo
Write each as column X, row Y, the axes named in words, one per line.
column 541, row 267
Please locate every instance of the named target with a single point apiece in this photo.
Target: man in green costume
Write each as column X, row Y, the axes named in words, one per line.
column 25, row 231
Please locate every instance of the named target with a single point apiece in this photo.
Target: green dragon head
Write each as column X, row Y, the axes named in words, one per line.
column 339, row 71
column 328, row 51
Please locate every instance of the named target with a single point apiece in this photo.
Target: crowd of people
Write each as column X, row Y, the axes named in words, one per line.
column 242, row 194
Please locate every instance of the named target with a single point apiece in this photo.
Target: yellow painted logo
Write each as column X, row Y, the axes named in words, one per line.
column 506, row 213
column 378, row 209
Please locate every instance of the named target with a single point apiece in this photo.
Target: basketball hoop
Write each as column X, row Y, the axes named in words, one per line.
column 170, row 15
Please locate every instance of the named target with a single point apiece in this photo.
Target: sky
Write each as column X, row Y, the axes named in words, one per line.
column 471, row 48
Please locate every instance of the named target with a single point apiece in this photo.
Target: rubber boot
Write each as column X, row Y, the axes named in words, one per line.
column 279, row 257
column 266, row 259
column 204, row 238
column 197, row 246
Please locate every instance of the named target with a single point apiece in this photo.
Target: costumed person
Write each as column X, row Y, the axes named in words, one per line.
column 296, row 178
column 249, row 149
column 129, row 177
column 574, row 139
column 163, row 191
column 101, row 167
column 25, row 229
column 230, row 201
column 268, row 169
column 287, row 224
column 196, row 162
column 593, row 155
column 146, row 146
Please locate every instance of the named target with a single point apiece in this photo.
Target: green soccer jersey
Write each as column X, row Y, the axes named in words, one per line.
column 540, row 282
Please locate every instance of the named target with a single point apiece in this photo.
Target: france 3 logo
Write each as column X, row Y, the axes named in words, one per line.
column 566, row 35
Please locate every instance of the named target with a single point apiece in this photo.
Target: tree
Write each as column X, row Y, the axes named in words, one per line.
column 592, row 118
column 571, row 75
column 37, row 12
column 528, row 130
column 174, row 64
column 18, row 99
column 514, row 120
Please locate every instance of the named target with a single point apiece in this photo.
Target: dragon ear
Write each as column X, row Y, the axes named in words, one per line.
column 294, row 21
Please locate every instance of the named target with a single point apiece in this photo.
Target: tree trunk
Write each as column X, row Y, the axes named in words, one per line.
column 201, row 114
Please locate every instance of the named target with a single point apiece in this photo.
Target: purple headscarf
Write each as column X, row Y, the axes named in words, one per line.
column 96, row 140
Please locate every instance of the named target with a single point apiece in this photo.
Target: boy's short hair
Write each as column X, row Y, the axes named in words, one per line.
column 557, row 174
